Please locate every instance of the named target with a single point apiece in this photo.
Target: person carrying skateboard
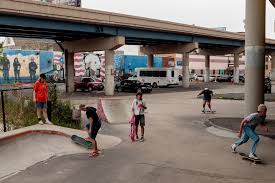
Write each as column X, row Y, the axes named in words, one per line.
column 207, row 95
column 138, row 108
column 247, row 130
column 92, row 127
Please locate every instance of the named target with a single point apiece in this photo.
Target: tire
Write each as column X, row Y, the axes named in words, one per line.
column 90, row 89
column 139, row 90
column 119, row 90
column 155, row 85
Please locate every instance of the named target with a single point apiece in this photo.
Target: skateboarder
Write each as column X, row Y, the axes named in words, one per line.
column 247, row 130
column 92, row 127
column 207, row 95
column 40, row 96
column 138, row 107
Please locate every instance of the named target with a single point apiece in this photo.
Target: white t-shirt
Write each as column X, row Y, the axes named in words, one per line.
column 135, row 106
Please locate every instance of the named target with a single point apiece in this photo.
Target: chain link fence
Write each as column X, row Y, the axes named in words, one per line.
column 17, row 108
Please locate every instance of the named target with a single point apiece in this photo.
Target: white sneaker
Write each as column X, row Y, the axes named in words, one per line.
column 40, row 122
column 253, row 156
column 48, row 122
column 233, row 147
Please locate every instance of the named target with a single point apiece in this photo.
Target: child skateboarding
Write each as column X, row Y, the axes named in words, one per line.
column 247, row 130
column 92, row 127
column 207, row 95
column 138, row 108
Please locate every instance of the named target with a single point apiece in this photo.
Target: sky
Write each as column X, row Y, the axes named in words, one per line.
column 206, row 13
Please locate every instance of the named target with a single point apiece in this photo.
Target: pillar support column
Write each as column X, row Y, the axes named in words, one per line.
column 109, row 73
column 150, row 60
column 69, row 71
column 255, row 54
column 236, row 68
column 185, row 70
column 273, row 73
column 207, row 68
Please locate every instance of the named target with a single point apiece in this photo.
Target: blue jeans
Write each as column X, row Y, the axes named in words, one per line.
column 249, row 133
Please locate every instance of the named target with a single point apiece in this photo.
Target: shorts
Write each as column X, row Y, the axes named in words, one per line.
column 207, row 99
column 94, row 131
column 41, row 105
column 140, row 120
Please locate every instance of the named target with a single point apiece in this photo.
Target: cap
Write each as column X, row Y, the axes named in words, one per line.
column 206, row 88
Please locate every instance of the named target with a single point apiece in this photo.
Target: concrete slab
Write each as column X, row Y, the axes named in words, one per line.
column 25, row 147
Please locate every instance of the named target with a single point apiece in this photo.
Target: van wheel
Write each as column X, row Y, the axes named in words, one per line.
column 155, row 85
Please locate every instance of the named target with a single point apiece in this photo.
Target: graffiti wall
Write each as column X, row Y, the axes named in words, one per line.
column 26, row 65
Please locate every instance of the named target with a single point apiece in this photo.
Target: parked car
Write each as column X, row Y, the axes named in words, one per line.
column 133, row 86
column 224, row 78
column 242, row 78
column 88, row 83
column 199, row 77
column 212, row 78
column 267, row 85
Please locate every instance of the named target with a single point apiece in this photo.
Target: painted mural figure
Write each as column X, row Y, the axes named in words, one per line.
column 6, row 68
column 16, row 69
column 32, row 69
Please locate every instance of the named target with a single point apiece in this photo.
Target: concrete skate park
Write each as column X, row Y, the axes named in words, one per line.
column 181, row 143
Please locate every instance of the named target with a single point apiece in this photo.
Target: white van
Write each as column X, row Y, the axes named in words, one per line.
column 157, row 76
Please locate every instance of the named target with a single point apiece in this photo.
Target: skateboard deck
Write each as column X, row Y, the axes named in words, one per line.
column 247, row 158
column 208, row 112
column 81, row 141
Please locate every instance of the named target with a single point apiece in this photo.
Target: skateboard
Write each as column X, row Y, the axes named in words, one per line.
column 247, row 158
column 81, row 141
column 132, row 129
column 208, row 112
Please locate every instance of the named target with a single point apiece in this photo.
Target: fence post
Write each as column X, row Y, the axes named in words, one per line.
column 3, row 111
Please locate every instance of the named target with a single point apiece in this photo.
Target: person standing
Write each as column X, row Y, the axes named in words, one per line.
column 138, row 108
column 16, row 69
column 6, row 68
column 32, row 69
column 40, row 96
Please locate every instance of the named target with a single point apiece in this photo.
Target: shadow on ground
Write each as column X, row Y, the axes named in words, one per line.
column 240, row 96
column 234, row 125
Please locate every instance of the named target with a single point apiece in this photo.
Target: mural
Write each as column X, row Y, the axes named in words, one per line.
column 25, row 65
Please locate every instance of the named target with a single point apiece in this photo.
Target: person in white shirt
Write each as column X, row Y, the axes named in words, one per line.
column 138, row 108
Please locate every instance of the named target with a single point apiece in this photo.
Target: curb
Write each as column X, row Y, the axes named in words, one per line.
column 208, row 122
column 51, row 132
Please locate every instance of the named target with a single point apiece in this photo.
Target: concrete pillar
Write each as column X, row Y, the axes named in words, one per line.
column 150, row 60
column 236, row 69
column 69, row 71
column 255, row 54
column 185, row 70
column 207, row 68
column 109, row 73
column 272, row 73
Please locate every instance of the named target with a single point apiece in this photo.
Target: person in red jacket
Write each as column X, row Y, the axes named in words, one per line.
column 40, row 96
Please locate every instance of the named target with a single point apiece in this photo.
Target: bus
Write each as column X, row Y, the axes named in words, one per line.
column 157, row 76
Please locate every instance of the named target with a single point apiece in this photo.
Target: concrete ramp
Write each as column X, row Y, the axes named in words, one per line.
column 116, row 111
column 22, row 148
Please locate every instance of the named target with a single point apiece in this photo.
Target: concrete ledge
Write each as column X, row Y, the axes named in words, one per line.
column 105, row 141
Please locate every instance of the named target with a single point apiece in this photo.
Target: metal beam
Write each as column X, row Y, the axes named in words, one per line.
column 169, row 48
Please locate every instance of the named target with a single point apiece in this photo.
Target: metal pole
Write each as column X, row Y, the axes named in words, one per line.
column 3, row 110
